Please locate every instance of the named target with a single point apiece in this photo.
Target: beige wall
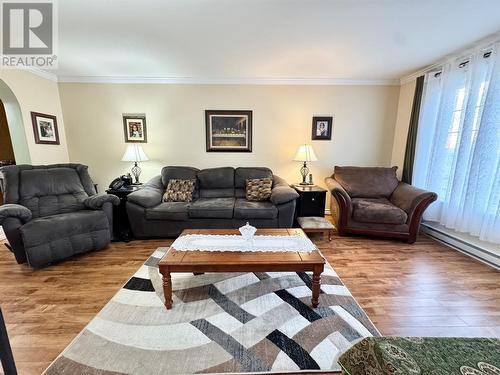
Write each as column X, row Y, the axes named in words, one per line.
column 405, row 103
column 282, row 115
column 37, row 94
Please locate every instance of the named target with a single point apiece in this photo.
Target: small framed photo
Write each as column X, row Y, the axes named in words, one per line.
column 134, row 128
column 45, row 128
column 322, row 128
column 228, row 131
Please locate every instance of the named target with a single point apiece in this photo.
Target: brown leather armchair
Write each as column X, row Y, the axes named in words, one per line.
column 371, row 201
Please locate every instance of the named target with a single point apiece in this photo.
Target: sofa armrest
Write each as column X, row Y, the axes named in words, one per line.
column 149, row 195
column 15, row 211
column 282, row 192
column 409, row 198
column 95, row 202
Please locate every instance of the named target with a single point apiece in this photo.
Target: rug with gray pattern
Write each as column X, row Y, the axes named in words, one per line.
column 220, row 323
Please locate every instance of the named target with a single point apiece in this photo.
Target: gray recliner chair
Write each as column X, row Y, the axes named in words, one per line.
column 53, row 212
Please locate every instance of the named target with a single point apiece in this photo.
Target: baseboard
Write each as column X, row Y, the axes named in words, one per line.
column 477, row 252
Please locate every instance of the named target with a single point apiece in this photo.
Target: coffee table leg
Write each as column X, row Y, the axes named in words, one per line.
column 316, row 287
column 167, row 289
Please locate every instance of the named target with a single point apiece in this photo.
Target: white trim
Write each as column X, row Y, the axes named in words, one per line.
column 229, row 80
column 464, row 247
column 471, row 48
column 41, row 73
column 412, row 77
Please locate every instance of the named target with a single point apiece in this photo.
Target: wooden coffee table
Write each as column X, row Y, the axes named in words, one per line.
column 229, row 261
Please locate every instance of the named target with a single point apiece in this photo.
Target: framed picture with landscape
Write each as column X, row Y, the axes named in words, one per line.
column 134, row 127
column 45, row 128
column 228, row 131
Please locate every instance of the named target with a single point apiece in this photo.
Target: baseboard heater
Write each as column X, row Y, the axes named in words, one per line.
column 477, row 252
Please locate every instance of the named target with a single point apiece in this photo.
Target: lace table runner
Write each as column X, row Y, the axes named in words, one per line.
column 217, row 242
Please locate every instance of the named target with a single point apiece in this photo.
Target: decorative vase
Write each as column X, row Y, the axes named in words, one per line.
column 247, row 232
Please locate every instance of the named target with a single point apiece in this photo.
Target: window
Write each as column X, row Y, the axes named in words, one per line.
column 458, row 144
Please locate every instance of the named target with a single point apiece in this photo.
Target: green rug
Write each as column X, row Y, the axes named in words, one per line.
column 423, row 355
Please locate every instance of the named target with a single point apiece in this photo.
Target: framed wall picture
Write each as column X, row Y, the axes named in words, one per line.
column 45, row 128
column 322, row 128
column 228, row 131
column 134, row 128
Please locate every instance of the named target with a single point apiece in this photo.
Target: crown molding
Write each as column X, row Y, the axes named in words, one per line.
column 41, row 73
column 413, row 76
column 228, row 81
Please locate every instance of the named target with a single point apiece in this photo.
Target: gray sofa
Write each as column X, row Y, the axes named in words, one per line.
column 219, row 202
column 52, row 212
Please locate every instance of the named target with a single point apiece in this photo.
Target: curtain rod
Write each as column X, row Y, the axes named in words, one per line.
column 463, row 63
column 481, row 45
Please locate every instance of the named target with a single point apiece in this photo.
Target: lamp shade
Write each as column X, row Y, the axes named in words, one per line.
column 134, row 152
column 305, row 153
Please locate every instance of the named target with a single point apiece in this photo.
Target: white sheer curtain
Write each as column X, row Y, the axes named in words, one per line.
column 458, row 144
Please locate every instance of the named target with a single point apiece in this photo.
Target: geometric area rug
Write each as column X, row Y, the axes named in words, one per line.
column 219, row 323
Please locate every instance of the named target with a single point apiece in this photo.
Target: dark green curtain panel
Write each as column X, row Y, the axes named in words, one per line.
column 411, row 140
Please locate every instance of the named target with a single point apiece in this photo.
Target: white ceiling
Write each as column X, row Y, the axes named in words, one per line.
column 252, row 40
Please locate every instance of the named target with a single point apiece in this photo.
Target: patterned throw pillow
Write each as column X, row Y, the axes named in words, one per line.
column 179, row 191
column 259, row 189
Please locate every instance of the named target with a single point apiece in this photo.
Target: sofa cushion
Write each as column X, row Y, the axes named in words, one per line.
column 169, row 211
column 259, row 189
column 242, row 174
column 377, row 210
column 213, row 208
column 52, row 238
column 244, row 209
column 180, row 173
column 217, row 193
column 216, row 178
column 179, row 190
column 367, row 182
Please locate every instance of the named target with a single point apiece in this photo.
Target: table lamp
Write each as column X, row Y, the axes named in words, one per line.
column 304, row 154
column 135, row 153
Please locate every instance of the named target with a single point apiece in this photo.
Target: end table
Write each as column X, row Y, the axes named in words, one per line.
column 311, row 200
column 310, row 211
column 121, row 224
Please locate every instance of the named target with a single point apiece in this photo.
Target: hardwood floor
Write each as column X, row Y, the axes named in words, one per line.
column 424, row 289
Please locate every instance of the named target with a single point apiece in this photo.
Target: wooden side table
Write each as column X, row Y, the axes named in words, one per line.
column 121, row 224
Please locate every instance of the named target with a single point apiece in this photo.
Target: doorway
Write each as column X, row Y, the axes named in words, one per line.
column 6, row 150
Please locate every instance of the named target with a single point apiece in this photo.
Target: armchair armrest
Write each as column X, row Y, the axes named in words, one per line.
column 340, row 204
column 336, row 189
column 149, row 195
column 340, row 194
column 15, row 211
column 409, row 198
column 95, row 202
column 282, row 192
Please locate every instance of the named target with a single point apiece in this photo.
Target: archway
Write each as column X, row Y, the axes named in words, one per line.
column 15, row 124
